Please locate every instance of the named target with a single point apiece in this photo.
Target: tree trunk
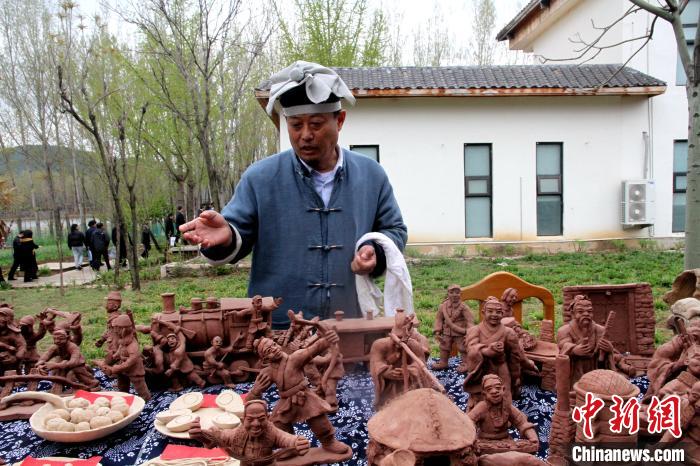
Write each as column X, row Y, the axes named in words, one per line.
column 55, row 211
column 133, row 248
column 78, row 193
column 692, row 207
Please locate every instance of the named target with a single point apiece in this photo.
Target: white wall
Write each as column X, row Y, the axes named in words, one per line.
column 421, row 144
column 668, row 112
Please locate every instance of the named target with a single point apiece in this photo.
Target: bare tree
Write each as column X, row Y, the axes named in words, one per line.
column 483, row 42
column 670, row 11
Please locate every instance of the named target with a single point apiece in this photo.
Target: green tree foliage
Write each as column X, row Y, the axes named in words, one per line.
column 334, row 33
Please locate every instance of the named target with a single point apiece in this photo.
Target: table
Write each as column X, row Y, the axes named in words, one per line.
column 140, row 442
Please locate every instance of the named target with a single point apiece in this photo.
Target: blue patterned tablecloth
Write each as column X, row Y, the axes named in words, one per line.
column 140, row 442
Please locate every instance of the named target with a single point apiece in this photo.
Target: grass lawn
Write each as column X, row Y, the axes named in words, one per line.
column 430, row 276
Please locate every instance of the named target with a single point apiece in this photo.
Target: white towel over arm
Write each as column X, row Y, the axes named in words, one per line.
column 398, row 291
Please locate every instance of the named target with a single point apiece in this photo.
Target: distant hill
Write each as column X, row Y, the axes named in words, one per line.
column 58, row 155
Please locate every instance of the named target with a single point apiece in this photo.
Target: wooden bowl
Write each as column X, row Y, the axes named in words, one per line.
column 36, row 422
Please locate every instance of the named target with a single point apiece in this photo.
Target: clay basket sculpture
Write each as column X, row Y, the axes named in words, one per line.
column 54, row 402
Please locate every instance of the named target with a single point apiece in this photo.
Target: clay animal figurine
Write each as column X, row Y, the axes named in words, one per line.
column 127, row 364
column 452, row 320
column 494, row 415
column 254, row 442
column 397, row 363
column 297, row 402
column 64, row 359
column 493, row 348
column 670, row 359
column 586, row 343
column 213, row 362
column 12, row 345
column 177, row 361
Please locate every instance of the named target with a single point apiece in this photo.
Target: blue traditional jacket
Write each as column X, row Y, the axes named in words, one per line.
column 302, row 250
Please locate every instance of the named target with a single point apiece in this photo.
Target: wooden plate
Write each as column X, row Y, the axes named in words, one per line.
column 206, row 415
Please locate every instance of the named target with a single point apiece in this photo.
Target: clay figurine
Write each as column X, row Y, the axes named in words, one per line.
column 297, row 402
column 685, row 380
column 452, row 320
column 527, row 341
column 586, row 342
column 127, row 364
column 64, row 359
column 508, row 298
column 31, row 338
column 178, row 362
column 259, row 324
column 112, row 304
column 253, row 443
column 155, row 359
column 670, row 358
column 70, row 323
column 690, row 426
column 298, row 334
column 397, row 363
column 213, row 362
column 329, row 367
column 493, row 348
column 494, row 415
column 12, row 345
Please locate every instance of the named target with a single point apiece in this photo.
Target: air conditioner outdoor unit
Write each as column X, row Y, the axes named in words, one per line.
column 638, row 203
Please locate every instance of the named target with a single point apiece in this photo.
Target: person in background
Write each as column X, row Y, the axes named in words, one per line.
column 121, row 238
column 15, row 255
column 88, row 234
column 99, row 244
column 28, row 256
column 76, row 242
column 169, row 229
column 179, row 220
column 146, row 237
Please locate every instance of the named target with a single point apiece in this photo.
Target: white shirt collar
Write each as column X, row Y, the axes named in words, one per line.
column 330, row 174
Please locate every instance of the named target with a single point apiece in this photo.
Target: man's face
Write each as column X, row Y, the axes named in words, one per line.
column 583, row 313
column 255, row 420
column 494, row 392
column 273, row 352
column 694, row 396
column 694, row 364
column 216, row 342
column 60, row 339
column 453, row 295
column 493, row 314
column 257, row 302
column 694, row 333
column 3, row 321
column 172, row 341
column 314, row 136
column 112, row 305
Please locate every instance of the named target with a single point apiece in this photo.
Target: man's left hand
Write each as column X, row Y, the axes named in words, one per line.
column 365, row 260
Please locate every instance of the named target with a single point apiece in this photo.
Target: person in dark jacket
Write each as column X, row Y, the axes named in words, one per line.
column 146, row 237
column 179, row 220
column 88, row 234
column 121, row 240
column 99, row 244
column 76, row 242
column 15, row 255
column 169, row 228
column 27, row 256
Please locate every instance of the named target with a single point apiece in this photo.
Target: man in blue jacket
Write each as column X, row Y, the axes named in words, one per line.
column 302, row 211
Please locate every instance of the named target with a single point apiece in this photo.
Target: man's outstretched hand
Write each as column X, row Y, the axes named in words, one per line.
column 209, row 229
column 365, row 260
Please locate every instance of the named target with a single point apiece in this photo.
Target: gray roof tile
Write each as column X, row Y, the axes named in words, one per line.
column 492, row 77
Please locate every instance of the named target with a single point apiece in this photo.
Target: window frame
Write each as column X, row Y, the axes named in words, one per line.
column 677, row 190
column 489, row 186
column 559, row 178
column 354, row 146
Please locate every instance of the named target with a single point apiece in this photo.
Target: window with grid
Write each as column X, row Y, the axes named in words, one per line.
column 689, row 18
column 477, row 190
column 680, row 178
column 371, row 151
column 549, row 189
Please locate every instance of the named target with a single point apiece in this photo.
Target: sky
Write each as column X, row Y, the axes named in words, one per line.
column 457, row 14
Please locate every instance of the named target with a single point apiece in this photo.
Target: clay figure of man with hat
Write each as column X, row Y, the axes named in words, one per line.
column 214, row 365
column 493, row 348
column 31, row 338
column 254, row 442
column 494, row 415
column 64, row 359
column 259, row 316
column 178, row 363
column 305, row 232
column 298, row 403
column 584, row 341
column 671, row 358
column 127, row 363
column 452, row 320
column 112, row 304
column 12, row 345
